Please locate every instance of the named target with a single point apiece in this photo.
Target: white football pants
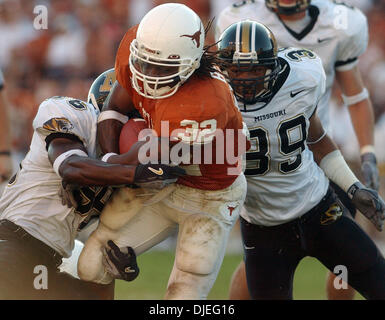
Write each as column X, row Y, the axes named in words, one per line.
column 205, row 219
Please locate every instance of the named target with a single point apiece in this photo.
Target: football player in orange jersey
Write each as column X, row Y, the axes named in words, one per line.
column 164, row 72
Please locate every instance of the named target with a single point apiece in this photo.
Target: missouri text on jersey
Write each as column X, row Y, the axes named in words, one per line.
column 270, row 115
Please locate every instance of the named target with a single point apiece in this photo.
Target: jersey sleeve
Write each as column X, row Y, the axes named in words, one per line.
column 58, row 118
column 354, row 38
column 310, row 75
column 319, row 79
column 122, row 67
column 1, row 80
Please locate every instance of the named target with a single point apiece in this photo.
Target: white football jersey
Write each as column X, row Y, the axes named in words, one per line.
column 338, row 34
column 31, row 198
column 284, row 181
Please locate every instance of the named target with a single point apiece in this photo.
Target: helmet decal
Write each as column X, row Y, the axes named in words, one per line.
column 100, row 88
column 160, row 62
column 196, row 36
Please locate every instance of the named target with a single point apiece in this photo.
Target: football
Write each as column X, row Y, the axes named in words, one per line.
column 130, row 132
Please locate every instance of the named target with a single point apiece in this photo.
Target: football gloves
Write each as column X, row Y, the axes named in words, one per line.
column 369, row 203
column 121, row 263
column 370, row 171
column 156, row 176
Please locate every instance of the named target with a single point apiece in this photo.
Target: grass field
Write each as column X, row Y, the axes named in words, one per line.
column 155, row 267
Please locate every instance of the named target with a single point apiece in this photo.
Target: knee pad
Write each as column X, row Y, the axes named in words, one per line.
column 201, row 245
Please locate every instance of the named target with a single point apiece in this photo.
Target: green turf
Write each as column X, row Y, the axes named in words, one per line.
column 155, row 268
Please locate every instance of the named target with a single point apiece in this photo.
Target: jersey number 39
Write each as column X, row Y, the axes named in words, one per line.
column 258, row 162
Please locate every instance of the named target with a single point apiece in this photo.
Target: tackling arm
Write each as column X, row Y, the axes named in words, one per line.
column 81, row 170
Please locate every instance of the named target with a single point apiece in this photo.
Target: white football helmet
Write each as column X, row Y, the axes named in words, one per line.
column 167, row 50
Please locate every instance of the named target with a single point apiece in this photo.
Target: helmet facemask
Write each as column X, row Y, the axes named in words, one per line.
column 253, row 89
column 280, row 8
column 248, row 55
column 156, row 78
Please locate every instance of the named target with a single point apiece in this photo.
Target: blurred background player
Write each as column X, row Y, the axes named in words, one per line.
column 292, row 211
column 5, row 136
column 338, row 33
column 38, row 223
column 163, row 71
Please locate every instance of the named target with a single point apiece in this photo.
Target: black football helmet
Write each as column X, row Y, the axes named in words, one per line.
column 243, row 47
column 298, row 6
column 100, row 88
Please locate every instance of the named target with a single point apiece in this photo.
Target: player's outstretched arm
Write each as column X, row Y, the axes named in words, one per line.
column 356, row 97
column 330, row 160
column 70, row 161
column 112, row 118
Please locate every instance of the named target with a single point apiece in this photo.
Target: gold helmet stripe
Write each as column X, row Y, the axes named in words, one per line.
column 245, row 39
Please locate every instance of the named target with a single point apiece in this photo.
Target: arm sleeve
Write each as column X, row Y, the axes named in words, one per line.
column 54, row 119
column 318, row 78
column 354, row 40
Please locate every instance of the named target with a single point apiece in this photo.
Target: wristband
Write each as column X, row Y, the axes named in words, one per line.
column 364, row 94
column 59, row 160
column 337, row 170
column 5, row 153
column 367, row 149
column 108, row 155
column 112, row 115
column 353, row 188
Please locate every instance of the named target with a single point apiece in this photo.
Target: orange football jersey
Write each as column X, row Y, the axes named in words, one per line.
column 201, row 106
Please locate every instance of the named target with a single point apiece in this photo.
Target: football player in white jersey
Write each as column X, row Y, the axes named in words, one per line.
column 338, row 33
column 5, row 140
column 292, row 212
column 36, row 228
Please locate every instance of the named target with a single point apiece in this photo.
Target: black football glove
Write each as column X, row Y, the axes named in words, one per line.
column 369, row 203
column 156, row 176
column 370, row 171
column 121, row 263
